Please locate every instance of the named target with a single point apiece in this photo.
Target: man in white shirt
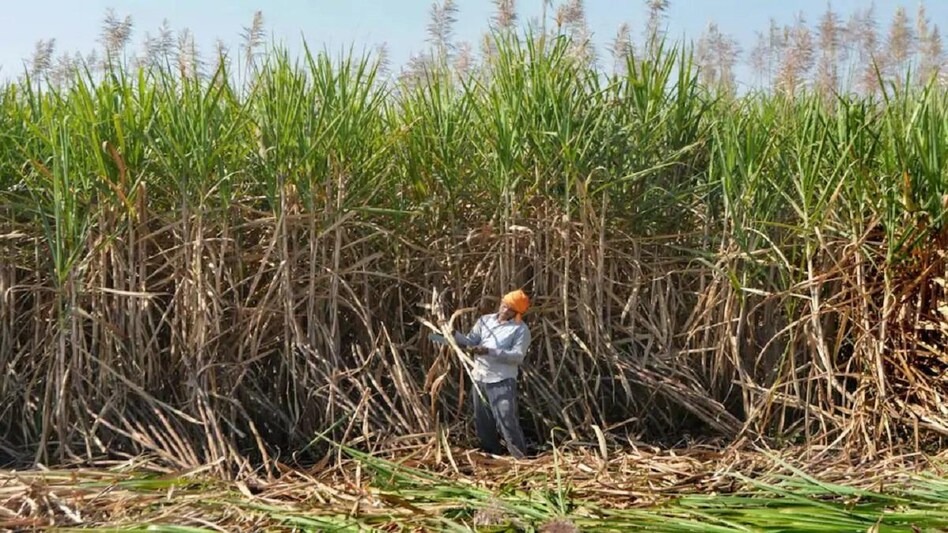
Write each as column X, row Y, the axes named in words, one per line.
column 499, row 343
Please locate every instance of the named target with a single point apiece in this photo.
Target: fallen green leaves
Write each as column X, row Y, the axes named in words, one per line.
column 694, row 491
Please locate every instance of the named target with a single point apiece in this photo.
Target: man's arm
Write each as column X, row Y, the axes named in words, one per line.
column 471, row 339
column 517, row 352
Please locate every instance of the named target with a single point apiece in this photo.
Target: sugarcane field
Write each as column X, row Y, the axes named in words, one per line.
column 543, row 266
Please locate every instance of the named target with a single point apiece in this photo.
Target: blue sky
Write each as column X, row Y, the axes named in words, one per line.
column 399, row 23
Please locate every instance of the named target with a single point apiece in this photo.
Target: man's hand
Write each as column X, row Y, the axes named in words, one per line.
column 477, row 350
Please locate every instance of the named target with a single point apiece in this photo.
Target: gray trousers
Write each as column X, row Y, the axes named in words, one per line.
column 499, row 411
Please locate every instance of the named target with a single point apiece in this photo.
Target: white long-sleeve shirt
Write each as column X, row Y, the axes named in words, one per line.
column 506, row 343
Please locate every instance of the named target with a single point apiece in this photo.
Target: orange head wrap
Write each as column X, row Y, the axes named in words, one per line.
column 518, row 301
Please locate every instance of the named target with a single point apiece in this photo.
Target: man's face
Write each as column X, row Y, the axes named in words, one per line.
column 505, row 312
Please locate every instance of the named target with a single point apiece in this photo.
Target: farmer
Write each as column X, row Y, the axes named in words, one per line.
column 498, row 342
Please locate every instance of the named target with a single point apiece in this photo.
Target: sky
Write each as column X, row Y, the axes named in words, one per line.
column 399, row 24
